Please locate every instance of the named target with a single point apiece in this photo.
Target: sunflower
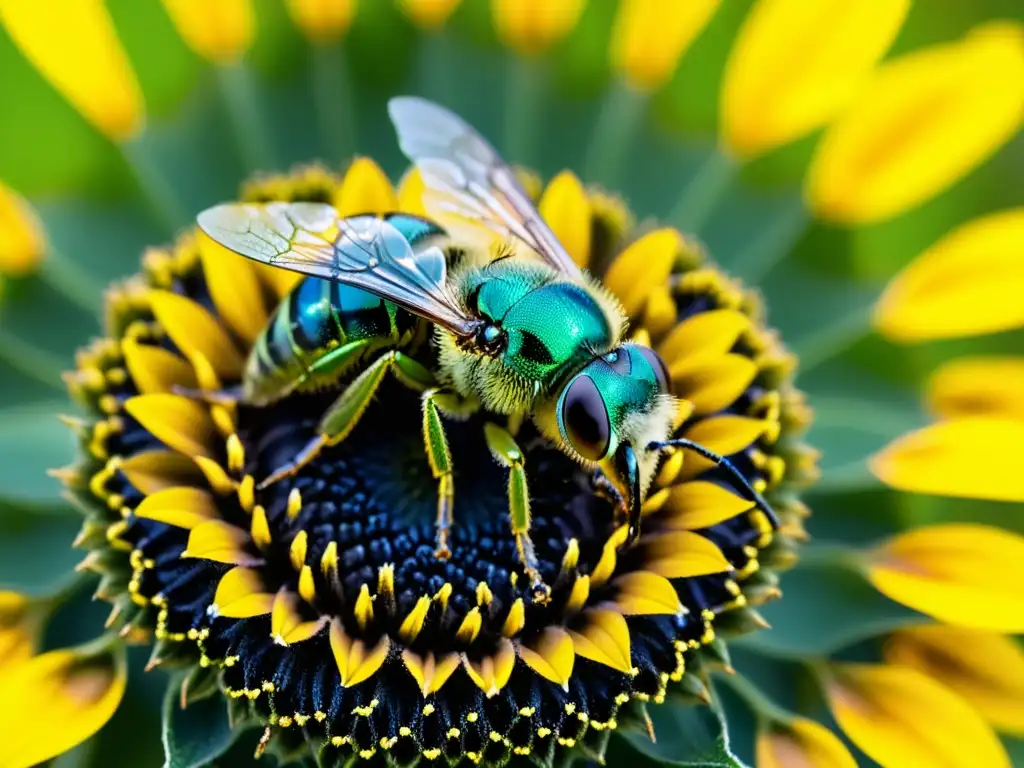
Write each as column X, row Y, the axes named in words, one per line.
column 865, row 188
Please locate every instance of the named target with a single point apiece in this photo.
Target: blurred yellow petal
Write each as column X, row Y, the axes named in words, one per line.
column 365, row 189
column 960, row 573
column 21, row 235
column 984, row 668
column 976, row 457
column 429, row 14
column 82, row 58
column 532, row 26
column 234, row 287
column 410, row 193
column 56, row 701
column 901, row 718
column 801, row 743
column 322, row 20
column 644, row 264
column 923, row 122
column 978, row 386
column 566, row 208
column 220, row 31
column 796, row 64
column 649, row 37
column 966, row 284
column 20, row 625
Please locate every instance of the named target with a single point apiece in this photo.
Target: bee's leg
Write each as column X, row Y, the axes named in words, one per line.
column 508, row 454
column 436, row 442
column 343, row 415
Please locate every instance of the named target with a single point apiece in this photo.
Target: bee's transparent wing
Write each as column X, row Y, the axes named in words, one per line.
column 467, row 180
column 364, row 251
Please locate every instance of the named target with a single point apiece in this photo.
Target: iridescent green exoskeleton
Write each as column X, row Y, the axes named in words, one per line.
column 518, row 329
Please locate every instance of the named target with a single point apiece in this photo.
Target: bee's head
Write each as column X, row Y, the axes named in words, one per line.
column 611, row 410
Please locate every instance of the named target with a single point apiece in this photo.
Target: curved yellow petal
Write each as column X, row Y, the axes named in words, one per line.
column 960, row 573
column 81, row 56
column 683, row 554
column 968, row 283
column 900, row 717
column 21, row 236
column 532, row 26
column 410, row 193
column 155, row 470
column 195, row 331
column 604, row 638
column 976, row 457
column 221, row 32
column 429, row 14
column 355, row 661
column 492, row 673
column 181, row 507
column 221, row 542
column 725, row 435
column 649, row 37
column 700, row 504
column 796, row 64
column 234, row 287
column 642, row 593
column 551, row 655
column 176, row 421
column 566, row 209
column 322, row 20
column 978, row 386
column 20, row 626
column 430, row 672
column 156, row 369
column 642, row 266
column 801, row 743
column 707, row 334
column 984, row 668
column 365, row 189
column 711, row 384
column 286, row 624
column 58, row 700
column 241, row 595
column 924, row 121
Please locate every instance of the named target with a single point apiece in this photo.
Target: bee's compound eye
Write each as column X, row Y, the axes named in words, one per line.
column 659, row 368
column 585, row 418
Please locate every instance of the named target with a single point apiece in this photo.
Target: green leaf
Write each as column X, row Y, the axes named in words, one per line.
column 33, row 441
column 827, row 604
column 686, row 735
column 35, row 548
column 196, row 735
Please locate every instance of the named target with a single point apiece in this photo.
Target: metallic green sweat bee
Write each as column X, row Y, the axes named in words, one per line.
column 518, row 329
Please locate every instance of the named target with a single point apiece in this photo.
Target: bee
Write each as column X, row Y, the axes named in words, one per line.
column 517, row 329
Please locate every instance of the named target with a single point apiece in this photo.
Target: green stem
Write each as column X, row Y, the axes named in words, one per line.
column 617, row 125
column 75, row 283
column 34, row 363
column 769, row 246
column 527, row 82
column 247, row 120
column 163, row 201
column 841, row 555
column 71, row 587
column 435, row 66
column 766, row 710
column 833, row 339
column 332, row 90
column 704, row 192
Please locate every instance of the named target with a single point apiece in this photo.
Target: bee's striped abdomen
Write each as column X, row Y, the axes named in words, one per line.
column 317, row 319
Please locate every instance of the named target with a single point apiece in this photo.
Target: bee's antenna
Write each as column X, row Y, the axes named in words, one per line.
column 721, row 461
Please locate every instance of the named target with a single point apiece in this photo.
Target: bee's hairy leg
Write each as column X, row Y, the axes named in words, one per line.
column 344, row 413
column 507, row 453
column 435, row 402
column 226, row 396
column 605, row 488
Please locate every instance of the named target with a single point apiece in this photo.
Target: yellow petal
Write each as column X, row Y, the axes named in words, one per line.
column 180, row 507
column 643, row 593
column 322, row 20
column 152, row 471
column 713, row 384
column 551, row 655
column 155, row 369
column 566, row 209
column 355, row 661
column 176, row 421
column 978, row 386
column 220, row 31
column 21, row 236
column 492, row 673
column 81, row 56
column 643, row 266
column 976, row 457
column 725, row 435
column 963, row 574
column 58, row 700
column 20, row 626
column 796, row 64
column 429, row 14
column 923, row 122
column 967, row 284
column 701, row 504
column 234, row 288
column 801, row 743
column 430, row 672
column 682, row 554
column 365, row 189
column 410, row 193
column 650, row 37
column 985, row 669
column 242, row 595
column 221, row 542
column 286, row 624
column 532, row 26
column 603, row 638
column 708, row 334
column 197, row 333
column 900, row 717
